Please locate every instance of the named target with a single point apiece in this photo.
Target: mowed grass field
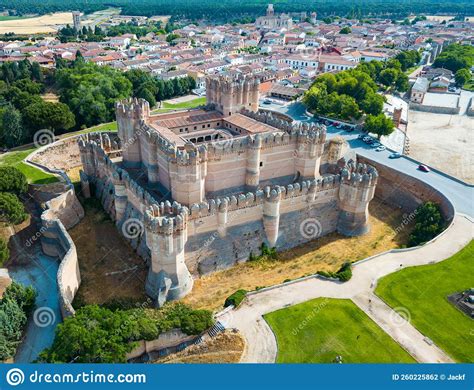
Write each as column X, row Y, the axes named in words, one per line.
column 180, row 106
column 319, row 330
column 423, row 291
column 33, row 175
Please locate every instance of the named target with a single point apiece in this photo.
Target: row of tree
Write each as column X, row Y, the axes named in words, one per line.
column 22, row 109
column 103, row 335
column 87, row 94
column 459, row 59
column 352, row 93
column 227, row 10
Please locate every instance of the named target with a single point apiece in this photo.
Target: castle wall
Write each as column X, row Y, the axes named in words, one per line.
column 407, row 192
column 63, row 212
column 207, row 251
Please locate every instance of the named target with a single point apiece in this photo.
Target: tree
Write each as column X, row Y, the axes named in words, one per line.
column 15, row 306
column 455, row 57
column 11, row 209
column 372, row 104
column 12, row 132
column 48, row 115
column 12, row 180
column 429, row 222
column 379, row 124
column 345, row 30
column 388, row 77
column 146, row 94
column 4, row 251
column 462, row 76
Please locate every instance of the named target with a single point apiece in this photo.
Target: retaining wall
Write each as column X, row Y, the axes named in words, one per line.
column 406, row 191
column 62, row 212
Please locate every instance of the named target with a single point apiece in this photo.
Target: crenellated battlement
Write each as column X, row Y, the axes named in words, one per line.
column 133, row 108
column 166, row 218
column 255, row 198
column 357, row 174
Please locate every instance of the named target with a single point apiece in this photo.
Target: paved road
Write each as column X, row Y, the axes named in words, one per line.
column 261, row 343
column 459, row 193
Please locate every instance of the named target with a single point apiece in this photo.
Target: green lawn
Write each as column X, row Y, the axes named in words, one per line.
column 5, row 18
column 111, row 126
column 181, row 106
column 469, row 86
column 33, row 175
column 318, row 330
column 423, row 291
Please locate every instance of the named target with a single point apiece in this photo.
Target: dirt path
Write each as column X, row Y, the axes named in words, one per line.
column 262, row 346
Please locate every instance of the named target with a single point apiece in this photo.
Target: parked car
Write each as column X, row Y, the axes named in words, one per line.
column 361, row 136
column 423, row 168
column 381, row 148
column 375, row 144
column 395, row 155
column 267, row 101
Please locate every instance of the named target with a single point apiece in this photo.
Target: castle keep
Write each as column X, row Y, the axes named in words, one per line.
column 197, row 191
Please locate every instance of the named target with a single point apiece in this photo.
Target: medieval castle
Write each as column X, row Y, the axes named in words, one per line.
column 197, row 191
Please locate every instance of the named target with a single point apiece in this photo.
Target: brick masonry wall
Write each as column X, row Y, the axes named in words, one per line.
column 405, row 191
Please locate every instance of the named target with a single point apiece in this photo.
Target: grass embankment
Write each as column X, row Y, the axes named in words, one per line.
column 423, row 291
column 319, row 330
column 180, row 106
column 33, row 175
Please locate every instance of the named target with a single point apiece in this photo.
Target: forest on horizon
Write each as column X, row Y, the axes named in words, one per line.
column 227, row 10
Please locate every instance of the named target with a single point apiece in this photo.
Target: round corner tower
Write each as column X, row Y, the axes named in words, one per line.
column 356, row 190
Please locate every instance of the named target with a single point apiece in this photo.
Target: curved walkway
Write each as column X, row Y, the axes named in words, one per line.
column 261, row 342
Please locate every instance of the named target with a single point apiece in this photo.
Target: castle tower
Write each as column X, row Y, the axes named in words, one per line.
column 270, row 10
column 166, row 234
column 271, row 214
column 356, row 191
column 187, row 175
column 252, row 174
column 229, row 94
column 130, row 114
column 76, row 20
column 309, row 149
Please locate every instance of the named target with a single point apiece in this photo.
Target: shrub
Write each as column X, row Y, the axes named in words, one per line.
column 4, row 251
column 11, row 209
column 15, row 306
column 429, row 222
column 12, row 180
column 197, row 322
column 101, row 335
column 236, row 298
column 344, row 274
